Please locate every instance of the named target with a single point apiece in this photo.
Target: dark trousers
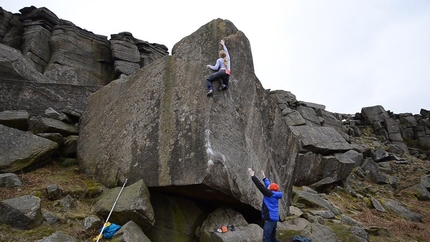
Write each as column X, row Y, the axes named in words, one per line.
column 217, row 76
column 269, row 231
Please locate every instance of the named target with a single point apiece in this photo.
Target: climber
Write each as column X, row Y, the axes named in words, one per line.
column 269, row 208
column 222, row 68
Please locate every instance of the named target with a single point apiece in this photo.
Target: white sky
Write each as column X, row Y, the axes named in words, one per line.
column 344, row 54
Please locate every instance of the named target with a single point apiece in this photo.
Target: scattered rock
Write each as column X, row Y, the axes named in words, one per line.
column 67, row 203
column 402, row 211
column 297, row 224
column 93, row 222
column 130, row 232
column 319, row 233
column 313, row 200
column 53, row 191
column 421, row 192
column 10, row 180
column 377, row 205
column 350, row 221
column 22, row 212
column 58, row 236
column 50, row 218
column 360, row 233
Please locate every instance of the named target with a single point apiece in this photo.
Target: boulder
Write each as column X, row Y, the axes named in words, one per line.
column 325, row 214
column 49, row 125
column 22, row 150
column 314, row 200
column 55, row 137
column 360, row 233
column 250, row 233
column 67, row 203
column 296, row 224
column 350, row 221
column 421, row 192
column 320, row 170
column 9, row 180
column 372, row 172
column 50, row 218
column 378, row 231
column 58, row 236
column 321, row 140
column 53, row 191
column 309, row 114
column 319, row 233
column 22, row 212
column 54, row 114
column 293, row 117
column 238, row 228
column 93, row 222
column 385, row 167
column 399, row 209
column 159, row 125
column 133, row 204
column 377, row 205
column 130, row 232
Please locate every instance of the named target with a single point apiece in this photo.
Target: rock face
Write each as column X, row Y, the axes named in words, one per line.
column 159, row 125
column 49, row 61
column 186, row 154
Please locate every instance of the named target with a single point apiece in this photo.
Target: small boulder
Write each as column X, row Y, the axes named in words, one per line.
column 53, row 191
column 133, row 204
column 21, row 212
column 130, row 232
column 402, row 211
column 58, row 236
column 9, row 180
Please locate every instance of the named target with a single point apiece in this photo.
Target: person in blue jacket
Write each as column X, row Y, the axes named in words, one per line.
column 222, row 68
column 269, row 208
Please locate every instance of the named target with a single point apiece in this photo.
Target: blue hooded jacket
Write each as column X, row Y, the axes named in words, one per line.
column 269, row 208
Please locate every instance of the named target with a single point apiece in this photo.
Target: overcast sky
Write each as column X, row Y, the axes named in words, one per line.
column 344, row 54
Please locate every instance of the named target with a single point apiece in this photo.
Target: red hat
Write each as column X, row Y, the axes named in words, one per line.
column 273, row 187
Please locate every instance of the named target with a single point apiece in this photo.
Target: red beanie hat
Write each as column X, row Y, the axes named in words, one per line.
column 273, row 187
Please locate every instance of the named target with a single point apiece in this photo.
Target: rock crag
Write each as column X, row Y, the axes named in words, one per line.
column 81, row 115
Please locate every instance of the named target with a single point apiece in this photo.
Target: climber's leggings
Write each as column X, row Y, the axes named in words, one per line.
column 216, row 76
